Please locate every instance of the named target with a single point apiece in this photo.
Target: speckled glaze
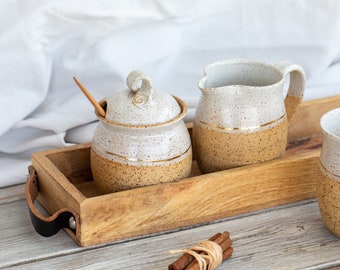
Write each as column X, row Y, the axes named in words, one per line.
column 242, row 116
column 142, row 140
column 328, row 178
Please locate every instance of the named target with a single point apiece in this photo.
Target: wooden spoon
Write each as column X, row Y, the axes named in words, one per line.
column 96, row 105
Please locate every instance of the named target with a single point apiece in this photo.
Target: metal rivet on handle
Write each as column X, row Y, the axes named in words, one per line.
column 72, row 223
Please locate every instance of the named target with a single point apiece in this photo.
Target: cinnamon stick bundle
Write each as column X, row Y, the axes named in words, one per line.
column 188, row 262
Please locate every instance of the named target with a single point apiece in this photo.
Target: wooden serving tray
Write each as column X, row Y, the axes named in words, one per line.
column 65, row 181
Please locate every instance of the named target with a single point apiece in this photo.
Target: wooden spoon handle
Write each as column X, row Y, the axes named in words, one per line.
column 96, row 105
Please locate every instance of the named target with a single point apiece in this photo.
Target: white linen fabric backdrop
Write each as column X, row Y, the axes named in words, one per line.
column 43, row 44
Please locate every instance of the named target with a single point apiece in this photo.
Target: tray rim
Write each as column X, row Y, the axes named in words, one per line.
column 93, row 204
column 81, row 203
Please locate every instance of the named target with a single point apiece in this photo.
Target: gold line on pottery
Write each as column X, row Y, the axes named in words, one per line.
column 243, row 128
column 143, row 160
column 328, row 171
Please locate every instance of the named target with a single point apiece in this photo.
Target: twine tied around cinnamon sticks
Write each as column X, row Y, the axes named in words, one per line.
column 205, row 255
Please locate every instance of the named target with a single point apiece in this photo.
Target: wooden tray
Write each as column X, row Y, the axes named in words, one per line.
column 65, row 181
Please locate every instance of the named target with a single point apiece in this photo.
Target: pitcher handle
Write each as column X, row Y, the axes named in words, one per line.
column 296, row 87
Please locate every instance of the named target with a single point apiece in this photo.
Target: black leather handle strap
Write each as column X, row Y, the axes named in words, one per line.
column 47, row 226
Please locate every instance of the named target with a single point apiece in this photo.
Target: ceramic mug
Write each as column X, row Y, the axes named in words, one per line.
column 242, row 116
column 328, row 177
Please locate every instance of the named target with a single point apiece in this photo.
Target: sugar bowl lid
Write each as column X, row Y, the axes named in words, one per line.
column 141, row 104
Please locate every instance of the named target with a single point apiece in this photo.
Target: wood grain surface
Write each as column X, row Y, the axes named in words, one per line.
column 291, row 236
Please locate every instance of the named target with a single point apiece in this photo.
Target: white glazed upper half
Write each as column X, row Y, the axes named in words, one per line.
column 243, row 94
column 330, row 151
column 143, row 146
column 143, row 125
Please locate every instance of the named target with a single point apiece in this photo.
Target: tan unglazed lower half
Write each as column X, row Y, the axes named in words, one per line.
column 217, row 150
column 112, row 176
column 328, row 194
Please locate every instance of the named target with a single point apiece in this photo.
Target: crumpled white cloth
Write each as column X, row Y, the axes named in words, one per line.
column 43, row 44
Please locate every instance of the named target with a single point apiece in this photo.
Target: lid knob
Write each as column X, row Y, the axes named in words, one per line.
column 142, row 85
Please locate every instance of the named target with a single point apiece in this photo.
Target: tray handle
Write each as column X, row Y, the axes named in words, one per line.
column 47, row 226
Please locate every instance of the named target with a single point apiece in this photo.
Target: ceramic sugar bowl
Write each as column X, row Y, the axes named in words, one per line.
column 142, row 140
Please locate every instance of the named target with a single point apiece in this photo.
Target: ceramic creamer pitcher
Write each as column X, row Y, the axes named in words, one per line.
column 242, row 116
column 142, row 140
